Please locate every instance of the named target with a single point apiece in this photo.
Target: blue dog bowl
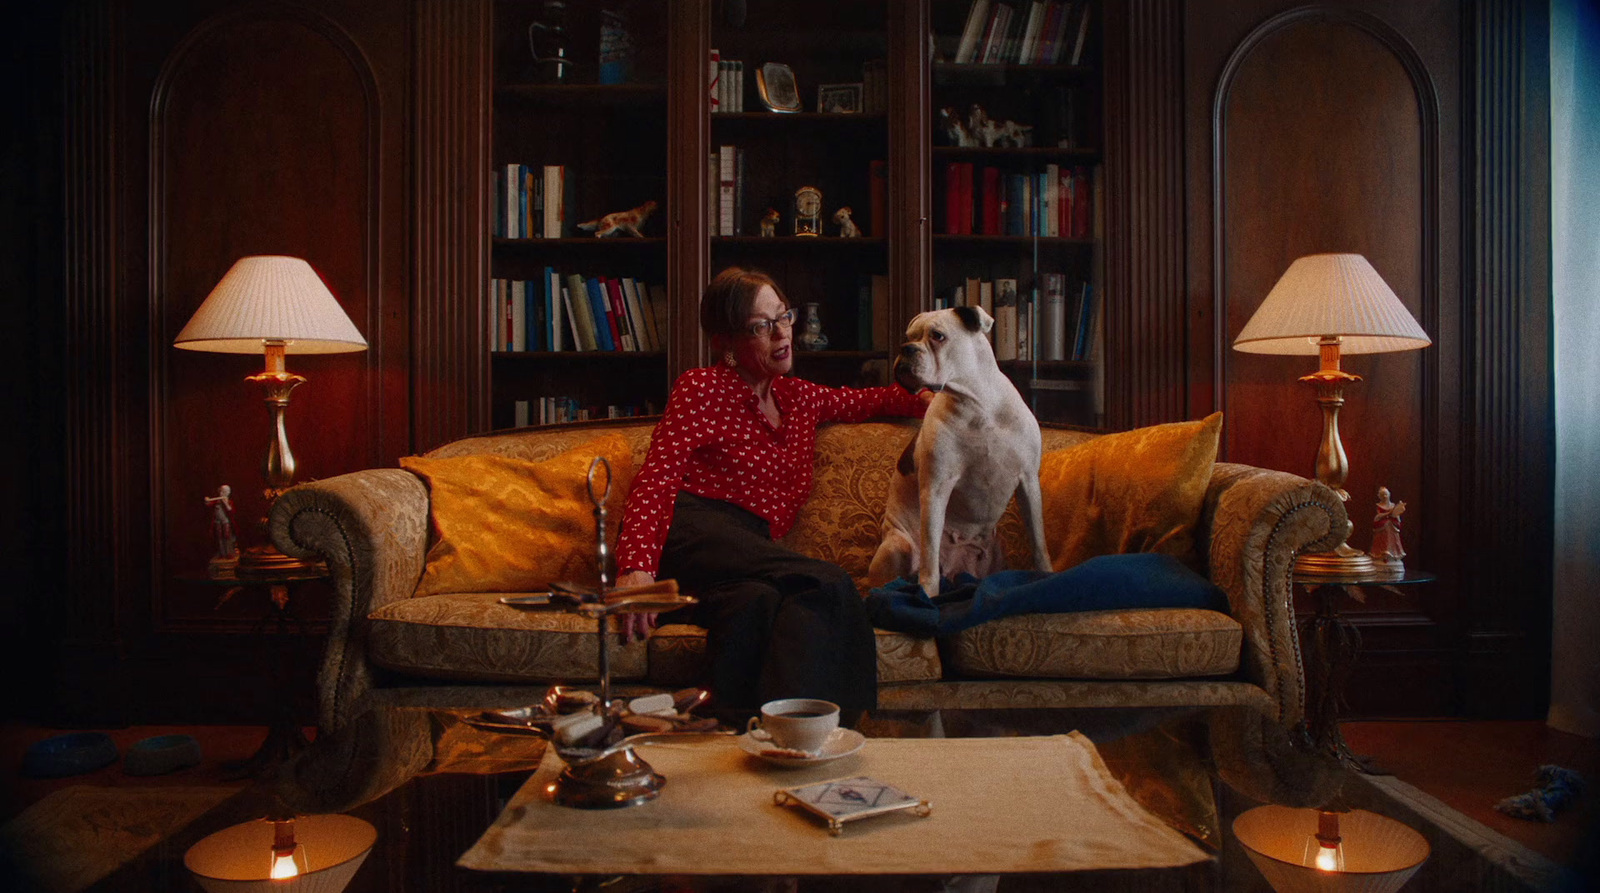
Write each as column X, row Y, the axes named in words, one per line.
column 71, row 754
column 162, row 754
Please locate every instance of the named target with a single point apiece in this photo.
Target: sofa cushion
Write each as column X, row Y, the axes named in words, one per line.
column 1162, row 643
column 502, row 524
column 678, row 656
column 1136, row 491
column 470, row 635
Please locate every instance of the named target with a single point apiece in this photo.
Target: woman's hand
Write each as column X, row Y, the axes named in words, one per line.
column 636, row 626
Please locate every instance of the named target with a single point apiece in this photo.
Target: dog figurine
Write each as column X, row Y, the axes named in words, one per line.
column 956, row 132
column 847, row 227
column 978, row 445
column 623, row 222
column 769, row 223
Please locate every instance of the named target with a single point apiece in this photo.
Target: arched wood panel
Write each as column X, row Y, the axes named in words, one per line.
column 264, row 140
column 1325, row 133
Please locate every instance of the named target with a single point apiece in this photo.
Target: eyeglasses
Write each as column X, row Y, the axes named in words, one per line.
column 763, row 328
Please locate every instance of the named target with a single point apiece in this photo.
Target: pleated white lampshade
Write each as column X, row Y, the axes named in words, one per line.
column 237, row 859
column 270, row 298
column 1380, row 853
column 1331, row 294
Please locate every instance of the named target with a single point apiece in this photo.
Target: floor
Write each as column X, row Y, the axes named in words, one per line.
column 1468, row 765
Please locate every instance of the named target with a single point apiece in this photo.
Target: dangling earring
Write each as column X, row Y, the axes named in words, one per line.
column 729, row 360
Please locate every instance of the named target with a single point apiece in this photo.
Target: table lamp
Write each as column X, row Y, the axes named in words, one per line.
column 271, row 305
column 1328, row 305
column 1351, row 851
column 307, row 854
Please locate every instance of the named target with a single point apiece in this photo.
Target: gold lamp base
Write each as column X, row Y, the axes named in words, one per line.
column 1342, row 562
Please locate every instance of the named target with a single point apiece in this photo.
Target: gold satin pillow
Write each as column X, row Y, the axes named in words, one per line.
column 1136, row 491
column 509, row 525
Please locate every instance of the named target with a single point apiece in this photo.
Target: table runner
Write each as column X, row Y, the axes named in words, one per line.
column 1035, row 804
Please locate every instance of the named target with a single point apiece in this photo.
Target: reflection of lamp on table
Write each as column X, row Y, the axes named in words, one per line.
column 1324, row 850
column 271, row 305
column 1329, row 305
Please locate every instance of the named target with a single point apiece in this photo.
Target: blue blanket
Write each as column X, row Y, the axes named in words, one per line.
column 1141, row 580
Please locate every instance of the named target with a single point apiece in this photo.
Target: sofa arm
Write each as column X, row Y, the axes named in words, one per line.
column 371, row 527
column 1254, row 521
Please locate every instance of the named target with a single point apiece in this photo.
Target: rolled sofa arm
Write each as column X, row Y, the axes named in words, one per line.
column 371, row 527
column 1255, row 521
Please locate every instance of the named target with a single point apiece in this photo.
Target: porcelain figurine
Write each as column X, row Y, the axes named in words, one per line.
column 769, row 223
column 1386, row 546
column 847, row 227
column 811, row 337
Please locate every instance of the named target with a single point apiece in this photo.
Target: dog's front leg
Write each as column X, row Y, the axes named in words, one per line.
column 1031, row 503
column 934, row 490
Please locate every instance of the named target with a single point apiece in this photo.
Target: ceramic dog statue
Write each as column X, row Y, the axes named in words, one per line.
column 847, row 227
column 620, row 222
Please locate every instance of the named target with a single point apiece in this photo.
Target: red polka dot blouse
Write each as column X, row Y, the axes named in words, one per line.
column 715, row 442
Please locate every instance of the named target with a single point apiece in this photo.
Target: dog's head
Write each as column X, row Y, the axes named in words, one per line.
column 943, row 345
column 842, row 214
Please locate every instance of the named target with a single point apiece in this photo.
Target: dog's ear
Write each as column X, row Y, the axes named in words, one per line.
column 975, row 319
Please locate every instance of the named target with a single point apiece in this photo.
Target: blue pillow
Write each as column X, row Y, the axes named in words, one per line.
column 1137, row 580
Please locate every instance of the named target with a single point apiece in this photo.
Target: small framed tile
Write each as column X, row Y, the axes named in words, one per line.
column 847, row 799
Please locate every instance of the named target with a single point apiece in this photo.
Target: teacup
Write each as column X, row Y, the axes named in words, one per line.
column 796, row 723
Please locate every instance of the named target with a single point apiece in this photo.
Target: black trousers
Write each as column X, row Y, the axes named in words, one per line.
column 779, row 624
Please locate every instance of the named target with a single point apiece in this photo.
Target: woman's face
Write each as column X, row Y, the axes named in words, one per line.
column 764, row 357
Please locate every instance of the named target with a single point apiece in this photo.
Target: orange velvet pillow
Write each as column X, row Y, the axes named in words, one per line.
column 510, row 525
column 1135, row 491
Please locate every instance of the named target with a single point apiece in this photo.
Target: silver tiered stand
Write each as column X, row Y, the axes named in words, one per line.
column 614, row 776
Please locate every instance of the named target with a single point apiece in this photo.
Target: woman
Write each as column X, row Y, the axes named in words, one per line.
column 728, row 469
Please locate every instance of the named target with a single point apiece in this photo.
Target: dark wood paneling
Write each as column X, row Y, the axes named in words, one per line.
column 1508, row 426
column 197, row 135
column 689, row 122
column 910, row 192
column 451, row 127
column 1146, row 323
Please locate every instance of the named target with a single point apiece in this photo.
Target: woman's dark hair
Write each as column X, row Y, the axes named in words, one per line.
column 725, row 307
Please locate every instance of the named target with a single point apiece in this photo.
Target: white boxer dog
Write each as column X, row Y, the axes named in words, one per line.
column 978, row 445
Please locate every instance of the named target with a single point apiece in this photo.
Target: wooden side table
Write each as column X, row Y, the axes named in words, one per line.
column 284, row 735
column 1332, row 643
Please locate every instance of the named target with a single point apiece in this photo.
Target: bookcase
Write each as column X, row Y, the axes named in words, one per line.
column 577, row 323
column 757, row 108
column 828, row 134
column 1015, row 164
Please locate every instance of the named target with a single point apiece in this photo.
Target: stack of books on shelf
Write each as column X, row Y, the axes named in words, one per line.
column 1041, row 32
column 727, row 84
column 559, row 410
column 530, row 201
column 726, row 194
column 571, row 312
column 989, row 201
column 1063, row 319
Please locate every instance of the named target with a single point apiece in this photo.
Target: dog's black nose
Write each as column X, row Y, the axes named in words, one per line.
column 908, row 350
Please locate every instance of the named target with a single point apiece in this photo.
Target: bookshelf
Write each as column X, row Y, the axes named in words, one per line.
column 840, row 48
column 572, row 329
column 1014, row 169
column 688, row 123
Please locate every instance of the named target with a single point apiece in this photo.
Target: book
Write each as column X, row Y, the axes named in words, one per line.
column 1030, row 33
column 992, row 200
column 551, row 289
column 662, row 313
column 715, row 85
column 1005, row 319
column 1082, row 203
column 727, row 168
column 986, row 298
column 588, row 325
column 1085, row 322
column 1082, row 38
column 1026, row 323
column 617, row 303
column 1049, row 189
column 994, row 35
column 630, row 300
column 605, row 329
column 1056, row 28
column 555, row 216
column 572, row 318
column 1053, row 317
column 952, row 199
column 972, row 32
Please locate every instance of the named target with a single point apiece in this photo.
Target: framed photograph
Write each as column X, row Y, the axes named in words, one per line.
column 839, row 98
column 775, row 83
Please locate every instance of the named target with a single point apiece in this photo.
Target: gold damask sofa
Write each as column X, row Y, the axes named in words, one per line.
column 389, row 644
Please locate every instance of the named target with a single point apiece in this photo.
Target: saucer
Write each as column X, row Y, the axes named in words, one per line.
column 842, row 743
